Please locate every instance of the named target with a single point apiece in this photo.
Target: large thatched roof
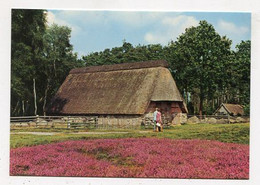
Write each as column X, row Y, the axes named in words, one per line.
column 115, row 89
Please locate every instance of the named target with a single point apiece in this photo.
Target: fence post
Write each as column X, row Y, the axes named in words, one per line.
column 37, row 120
column 96, row 122
column 68, row 122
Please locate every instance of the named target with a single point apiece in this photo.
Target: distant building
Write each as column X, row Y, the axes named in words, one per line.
column 119, row 94
column 230, row 109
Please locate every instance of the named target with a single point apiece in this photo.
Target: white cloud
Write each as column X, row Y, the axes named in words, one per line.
column 173, row 20
column 78, row 20
column 234, row 32
column 231, row 28
column 171, row 28
column 136, row 19
column 83, row 16
column 149, row 37
column 127, row 18
column 134, row 26
column 52, row 18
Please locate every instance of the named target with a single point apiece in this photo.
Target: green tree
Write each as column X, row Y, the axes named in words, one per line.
column 58, row 60
column 28, row 26
column 242, row 65
column 240, row 79
column 198, row 59
column 125, row 53
column 41, row 58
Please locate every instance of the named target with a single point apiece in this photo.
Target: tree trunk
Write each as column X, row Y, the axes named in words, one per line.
column 23, row 107
column 54, row 67
column 187, row 97
column 26, row 105
column 201, row 107
column 45, row 96
column 15, row 108
column 34, row 94
column 201, row 102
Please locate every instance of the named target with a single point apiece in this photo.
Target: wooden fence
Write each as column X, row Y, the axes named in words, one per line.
column 54, row 121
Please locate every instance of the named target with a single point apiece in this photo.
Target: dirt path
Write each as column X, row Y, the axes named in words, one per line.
column 37, row 133
column 87, row 133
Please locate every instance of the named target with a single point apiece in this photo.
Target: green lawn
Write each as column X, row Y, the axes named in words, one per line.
column 232, row 133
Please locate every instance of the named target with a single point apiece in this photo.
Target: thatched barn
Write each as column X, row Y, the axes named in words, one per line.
column 119, row 94
column 230, row 109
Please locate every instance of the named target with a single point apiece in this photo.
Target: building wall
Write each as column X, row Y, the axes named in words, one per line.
column 170, row 110
column 222, row 111
column 123, row 121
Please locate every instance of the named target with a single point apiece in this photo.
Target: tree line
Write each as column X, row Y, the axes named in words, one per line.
column 206, row 70
column 41, row 58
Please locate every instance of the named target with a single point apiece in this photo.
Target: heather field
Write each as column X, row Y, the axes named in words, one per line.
column 134, row 157
column 187, row 151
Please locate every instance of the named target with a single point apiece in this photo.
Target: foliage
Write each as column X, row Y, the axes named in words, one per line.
column 199, row 57
column 58, row 60
column 41, row 53
column 247, row 109
column 125, row 53
column 242, row 68
column 28, row 26
column 142, row 157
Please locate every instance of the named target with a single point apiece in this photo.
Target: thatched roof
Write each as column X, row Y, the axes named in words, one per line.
column 123, row 66
column 115, row 89
column 233, row 109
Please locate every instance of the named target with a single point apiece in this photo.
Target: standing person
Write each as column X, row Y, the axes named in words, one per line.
column 159, row 120
column 154, row 119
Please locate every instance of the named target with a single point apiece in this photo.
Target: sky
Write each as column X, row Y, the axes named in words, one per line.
column 94, row 31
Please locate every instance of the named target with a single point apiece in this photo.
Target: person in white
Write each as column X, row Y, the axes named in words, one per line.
column 154, row 119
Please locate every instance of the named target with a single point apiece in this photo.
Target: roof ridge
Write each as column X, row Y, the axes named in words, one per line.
column 122, row 66
column 234, row 104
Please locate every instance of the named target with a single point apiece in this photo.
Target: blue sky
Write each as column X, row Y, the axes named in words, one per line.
column 97, row 30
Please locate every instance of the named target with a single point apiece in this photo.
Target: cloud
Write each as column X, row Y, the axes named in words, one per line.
column 50, row 18
column 170, row 29
column 154, row 27
column 136, row 19
column 53, row 18
column 151, row 38
column 102, row 29
column 108, row 21
column 234, row 32
column 131, row 19
column 82, row 17
column 231, row 28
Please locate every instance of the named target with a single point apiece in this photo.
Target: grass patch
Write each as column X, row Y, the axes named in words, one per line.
column 67, row 130
column 231, row 133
